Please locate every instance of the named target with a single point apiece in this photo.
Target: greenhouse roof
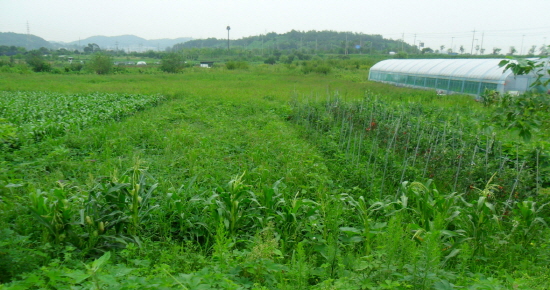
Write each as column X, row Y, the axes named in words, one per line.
column 482, row 69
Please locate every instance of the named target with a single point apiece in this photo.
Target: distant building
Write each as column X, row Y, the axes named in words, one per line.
column 207, row 64
column 141, row 63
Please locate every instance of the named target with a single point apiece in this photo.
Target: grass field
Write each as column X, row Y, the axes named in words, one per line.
column 266, row 178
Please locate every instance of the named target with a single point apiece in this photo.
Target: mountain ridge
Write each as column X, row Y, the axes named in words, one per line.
column 131, row 42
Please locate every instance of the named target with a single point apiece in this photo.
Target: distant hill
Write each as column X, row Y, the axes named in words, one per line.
column 131, row 42
column 300, row 40
column 29, row 42
column 126, row 42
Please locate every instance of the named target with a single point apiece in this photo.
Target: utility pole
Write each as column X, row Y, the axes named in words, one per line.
column 28, row 34
column 346, row 43
column 228, row 28
column 521, row 50
column 481, row 47
column 402, row 41
column 414, row 41
column 452, row 41
column 473, row 38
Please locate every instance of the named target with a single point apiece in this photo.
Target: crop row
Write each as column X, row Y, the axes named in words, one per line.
column 36, row 115
column 378, row 146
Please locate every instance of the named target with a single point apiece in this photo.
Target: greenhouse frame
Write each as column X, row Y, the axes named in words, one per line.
column 448, row 76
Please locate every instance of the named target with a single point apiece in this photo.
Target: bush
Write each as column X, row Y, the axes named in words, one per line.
column 36, row 61
column 100, row 63
column 323, row 69
column 5, row 61
column 307, row 68
column 287, row 59
column 76, row 66
column 231, row 65
column 270, row 60
column 172, row 63
column 401, row 55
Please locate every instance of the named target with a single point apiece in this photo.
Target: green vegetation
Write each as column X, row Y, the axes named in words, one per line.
column 303, row 41
column 36, row 115
column 296, row 175
column 172, row 63
column 36, row 61
column 100, row 64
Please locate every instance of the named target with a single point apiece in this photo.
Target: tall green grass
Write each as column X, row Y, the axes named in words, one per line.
column 263, row 179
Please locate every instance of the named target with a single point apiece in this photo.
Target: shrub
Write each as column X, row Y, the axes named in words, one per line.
column 270, row 60
column 307, row 68
column 5, row 61
column 231, row 65
column 323, row 69
column 76, row 66
column 100, row 64
column 36, row 61
column 172, row 63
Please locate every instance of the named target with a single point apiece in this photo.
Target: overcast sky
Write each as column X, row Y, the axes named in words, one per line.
column 498, row 23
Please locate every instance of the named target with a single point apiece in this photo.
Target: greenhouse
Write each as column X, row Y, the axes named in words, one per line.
column 465, row 76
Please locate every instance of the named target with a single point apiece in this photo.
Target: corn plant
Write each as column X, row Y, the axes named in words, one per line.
column 269, row 202
column 427, row 206
column 298, row 218
column 125, row 202
column 185, row 212
column 366, row 213
column 230, row 205
column 111, row 215
column 479, row 222
column 55, row 212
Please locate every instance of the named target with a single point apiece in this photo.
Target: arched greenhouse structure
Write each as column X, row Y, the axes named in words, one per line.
column 465, row 76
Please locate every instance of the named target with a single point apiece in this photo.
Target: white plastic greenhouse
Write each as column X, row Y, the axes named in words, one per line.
column 466, row 76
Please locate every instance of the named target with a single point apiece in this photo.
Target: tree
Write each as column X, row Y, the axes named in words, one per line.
column 91, row 48
column 270, row 60
column 532, row 50
column 100, row 63
column 442, row 48
column 525, row 112
column 496, row 50
column 544, row 50
column 401, row 55
column 525, row 66
column 427, row 50
column 461, row 49
column 512, row 50
column 172, row 62
column 35, row 60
